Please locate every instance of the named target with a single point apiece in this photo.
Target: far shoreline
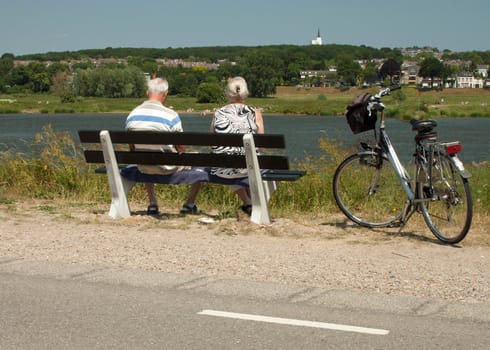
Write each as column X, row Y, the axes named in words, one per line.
column 407, row 103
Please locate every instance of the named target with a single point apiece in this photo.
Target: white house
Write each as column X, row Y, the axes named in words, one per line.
column 467, row 80
column 482, row 69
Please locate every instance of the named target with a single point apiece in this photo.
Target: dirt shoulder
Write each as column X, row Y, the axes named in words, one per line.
column 324, row 252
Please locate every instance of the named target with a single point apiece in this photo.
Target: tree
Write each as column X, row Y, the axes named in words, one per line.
column 57, row 67
column 227, row 70
column 146, row 64
column 390, row 69
column 106, row 82
column 262, row 72
column 18, row 76
column 370, row 73
column 348, row 70
column 6, row 65
column 431, row 68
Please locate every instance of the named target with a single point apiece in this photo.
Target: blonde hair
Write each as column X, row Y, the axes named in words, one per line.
column 157, row 85
column 237, row 89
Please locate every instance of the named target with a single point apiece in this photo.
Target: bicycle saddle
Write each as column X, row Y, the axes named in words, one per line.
column 423, row 125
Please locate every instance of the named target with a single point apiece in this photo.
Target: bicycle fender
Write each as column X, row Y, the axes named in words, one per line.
column 459, row 165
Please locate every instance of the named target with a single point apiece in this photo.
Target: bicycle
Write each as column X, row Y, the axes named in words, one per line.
column 373, row 189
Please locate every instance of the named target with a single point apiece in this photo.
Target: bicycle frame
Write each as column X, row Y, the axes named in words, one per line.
column 407, row 182
column 438, row 188
column 386, row 146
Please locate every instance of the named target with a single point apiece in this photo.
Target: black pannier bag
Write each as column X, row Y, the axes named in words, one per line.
column 358, row 115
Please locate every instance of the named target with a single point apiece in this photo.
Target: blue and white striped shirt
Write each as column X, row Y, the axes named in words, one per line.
column 154, row 116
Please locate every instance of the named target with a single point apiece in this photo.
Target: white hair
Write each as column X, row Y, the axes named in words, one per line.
column 157, row 85
column 237, row 89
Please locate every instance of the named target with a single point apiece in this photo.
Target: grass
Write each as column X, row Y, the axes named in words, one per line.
column 406, row 104
column 56, row 170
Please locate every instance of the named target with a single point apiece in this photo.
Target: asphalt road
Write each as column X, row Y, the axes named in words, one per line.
column 60, row 306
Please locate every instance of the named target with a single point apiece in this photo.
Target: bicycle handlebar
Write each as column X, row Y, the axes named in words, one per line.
column 386, row 91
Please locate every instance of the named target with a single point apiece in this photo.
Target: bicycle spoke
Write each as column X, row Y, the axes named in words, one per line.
column 448, row 212
column 368, row 191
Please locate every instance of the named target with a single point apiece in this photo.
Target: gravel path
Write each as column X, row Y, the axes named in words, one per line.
column 328, row 252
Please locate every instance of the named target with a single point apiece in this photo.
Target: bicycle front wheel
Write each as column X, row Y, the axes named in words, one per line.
column 447, row 205
column 368, row 191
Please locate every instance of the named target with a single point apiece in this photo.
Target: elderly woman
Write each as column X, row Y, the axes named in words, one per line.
column 236, row 117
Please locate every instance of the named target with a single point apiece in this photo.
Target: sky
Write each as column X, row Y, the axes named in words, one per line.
column 40, row 26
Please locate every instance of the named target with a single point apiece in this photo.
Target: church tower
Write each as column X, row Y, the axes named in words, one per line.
column 318, row 40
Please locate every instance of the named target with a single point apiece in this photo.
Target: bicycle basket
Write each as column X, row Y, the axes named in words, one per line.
column 358, row 116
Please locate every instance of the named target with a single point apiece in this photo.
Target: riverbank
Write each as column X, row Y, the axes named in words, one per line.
column 406, row 104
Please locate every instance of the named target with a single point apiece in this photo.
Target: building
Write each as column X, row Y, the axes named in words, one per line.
column 318, row 40
column 410, row 73
column 468, row 80
column 482, row 70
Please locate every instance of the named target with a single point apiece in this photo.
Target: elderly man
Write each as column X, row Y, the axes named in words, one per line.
column 152, row 115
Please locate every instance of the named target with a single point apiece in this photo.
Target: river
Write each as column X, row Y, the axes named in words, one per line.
column 302, row 132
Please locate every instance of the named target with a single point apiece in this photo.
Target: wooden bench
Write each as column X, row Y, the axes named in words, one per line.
column 264, row 170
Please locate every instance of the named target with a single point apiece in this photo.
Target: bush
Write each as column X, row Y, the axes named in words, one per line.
column 68, row 97
column 210, row 93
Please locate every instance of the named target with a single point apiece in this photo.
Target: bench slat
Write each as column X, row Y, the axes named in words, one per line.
column 190, row 159
column 184, row 138
column 283, row 175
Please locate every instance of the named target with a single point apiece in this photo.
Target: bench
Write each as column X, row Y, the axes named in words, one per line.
column 265, row 171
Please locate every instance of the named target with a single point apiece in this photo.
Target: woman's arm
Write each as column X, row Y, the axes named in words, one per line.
column 259, row 121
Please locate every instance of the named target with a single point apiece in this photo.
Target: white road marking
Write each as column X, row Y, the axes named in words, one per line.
column 293, row 322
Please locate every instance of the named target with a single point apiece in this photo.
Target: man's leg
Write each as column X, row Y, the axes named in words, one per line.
column 195, row 188
column 190, row 205
column 153, row 206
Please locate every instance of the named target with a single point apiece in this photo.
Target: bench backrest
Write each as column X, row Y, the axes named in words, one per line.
column 206, row 158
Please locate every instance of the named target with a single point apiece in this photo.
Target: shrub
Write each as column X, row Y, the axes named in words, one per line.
column 210, row 93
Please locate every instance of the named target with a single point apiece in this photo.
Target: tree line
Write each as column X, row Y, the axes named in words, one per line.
column 72, row 74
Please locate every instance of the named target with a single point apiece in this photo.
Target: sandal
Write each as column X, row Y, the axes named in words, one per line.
column 247, row 209
column 187, row 209
column 152, row 209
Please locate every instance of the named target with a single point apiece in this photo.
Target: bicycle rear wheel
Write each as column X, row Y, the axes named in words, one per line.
column 449, row 211
column 367, row 190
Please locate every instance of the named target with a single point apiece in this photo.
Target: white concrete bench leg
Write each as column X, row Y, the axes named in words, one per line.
column 119, row 202
column 269, row 187
column 260, row 208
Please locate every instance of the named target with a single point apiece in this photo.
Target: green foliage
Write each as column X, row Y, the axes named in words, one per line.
column 287, row 53
column 110, row 82
column 262, row 72
column 480, row 187
column 210, row 93
column 398, row 95
column 264, row 67
column 348, row 70
column 431, row 67
column 67, row 97
column 56, row 169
